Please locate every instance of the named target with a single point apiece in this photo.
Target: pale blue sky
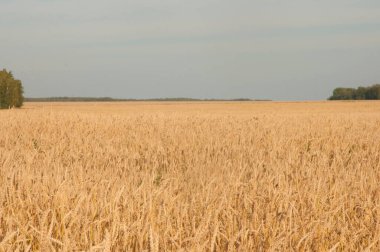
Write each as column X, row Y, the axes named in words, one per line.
column 275, row 49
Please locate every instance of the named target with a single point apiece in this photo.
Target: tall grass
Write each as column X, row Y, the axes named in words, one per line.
column 190, row 177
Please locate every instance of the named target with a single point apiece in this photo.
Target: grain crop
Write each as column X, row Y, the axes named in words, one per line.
column 190, row 176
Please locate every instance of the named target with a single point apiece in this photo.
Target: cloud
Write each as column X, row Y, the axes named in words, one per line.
column 82, row 35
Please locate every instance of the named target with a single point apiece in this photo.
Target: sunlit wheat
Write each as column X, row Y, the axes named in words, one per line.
column 190, row 176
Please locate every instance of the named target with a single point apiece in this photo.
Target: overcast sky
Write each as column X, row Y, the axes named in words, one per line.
column 275, row 49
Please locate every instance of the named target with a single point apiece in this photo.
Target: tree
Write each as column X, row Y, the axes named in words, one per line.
column 360, row 93
column 11, row 91
column 343, row 94
column 373, row 92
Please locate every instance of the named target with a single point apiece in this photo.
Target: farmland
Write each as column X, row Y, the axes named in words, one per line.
column 190, row 176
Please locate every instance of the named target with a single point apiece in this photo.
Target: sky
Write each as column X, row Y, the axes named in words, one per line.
column 259, row 49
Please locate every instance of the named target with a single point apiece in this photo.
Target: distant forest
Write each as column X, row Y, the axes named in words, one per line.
column 360, row 93
column 109, row 99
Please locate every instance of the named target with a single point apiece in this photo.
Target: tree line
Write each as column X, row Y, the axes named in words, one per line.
column 360, row 93
column 109, row 99
column 11, row 91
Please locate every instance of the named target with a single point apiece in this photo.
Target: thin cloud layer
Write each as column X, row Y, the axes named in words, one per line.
column 206, row 49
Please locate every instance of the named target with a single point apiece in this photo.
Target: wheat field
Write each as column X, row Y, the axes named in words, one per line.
column 217, row 176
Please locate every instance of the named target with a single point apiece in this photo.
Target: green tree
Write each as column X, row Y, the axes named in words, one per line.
column 343, row 94
column 360, row 93
column 373, row 92
column 11, row 91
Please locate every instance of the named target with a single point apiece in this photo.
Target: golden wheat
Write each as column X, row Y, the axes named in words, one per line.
column 190, row 176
